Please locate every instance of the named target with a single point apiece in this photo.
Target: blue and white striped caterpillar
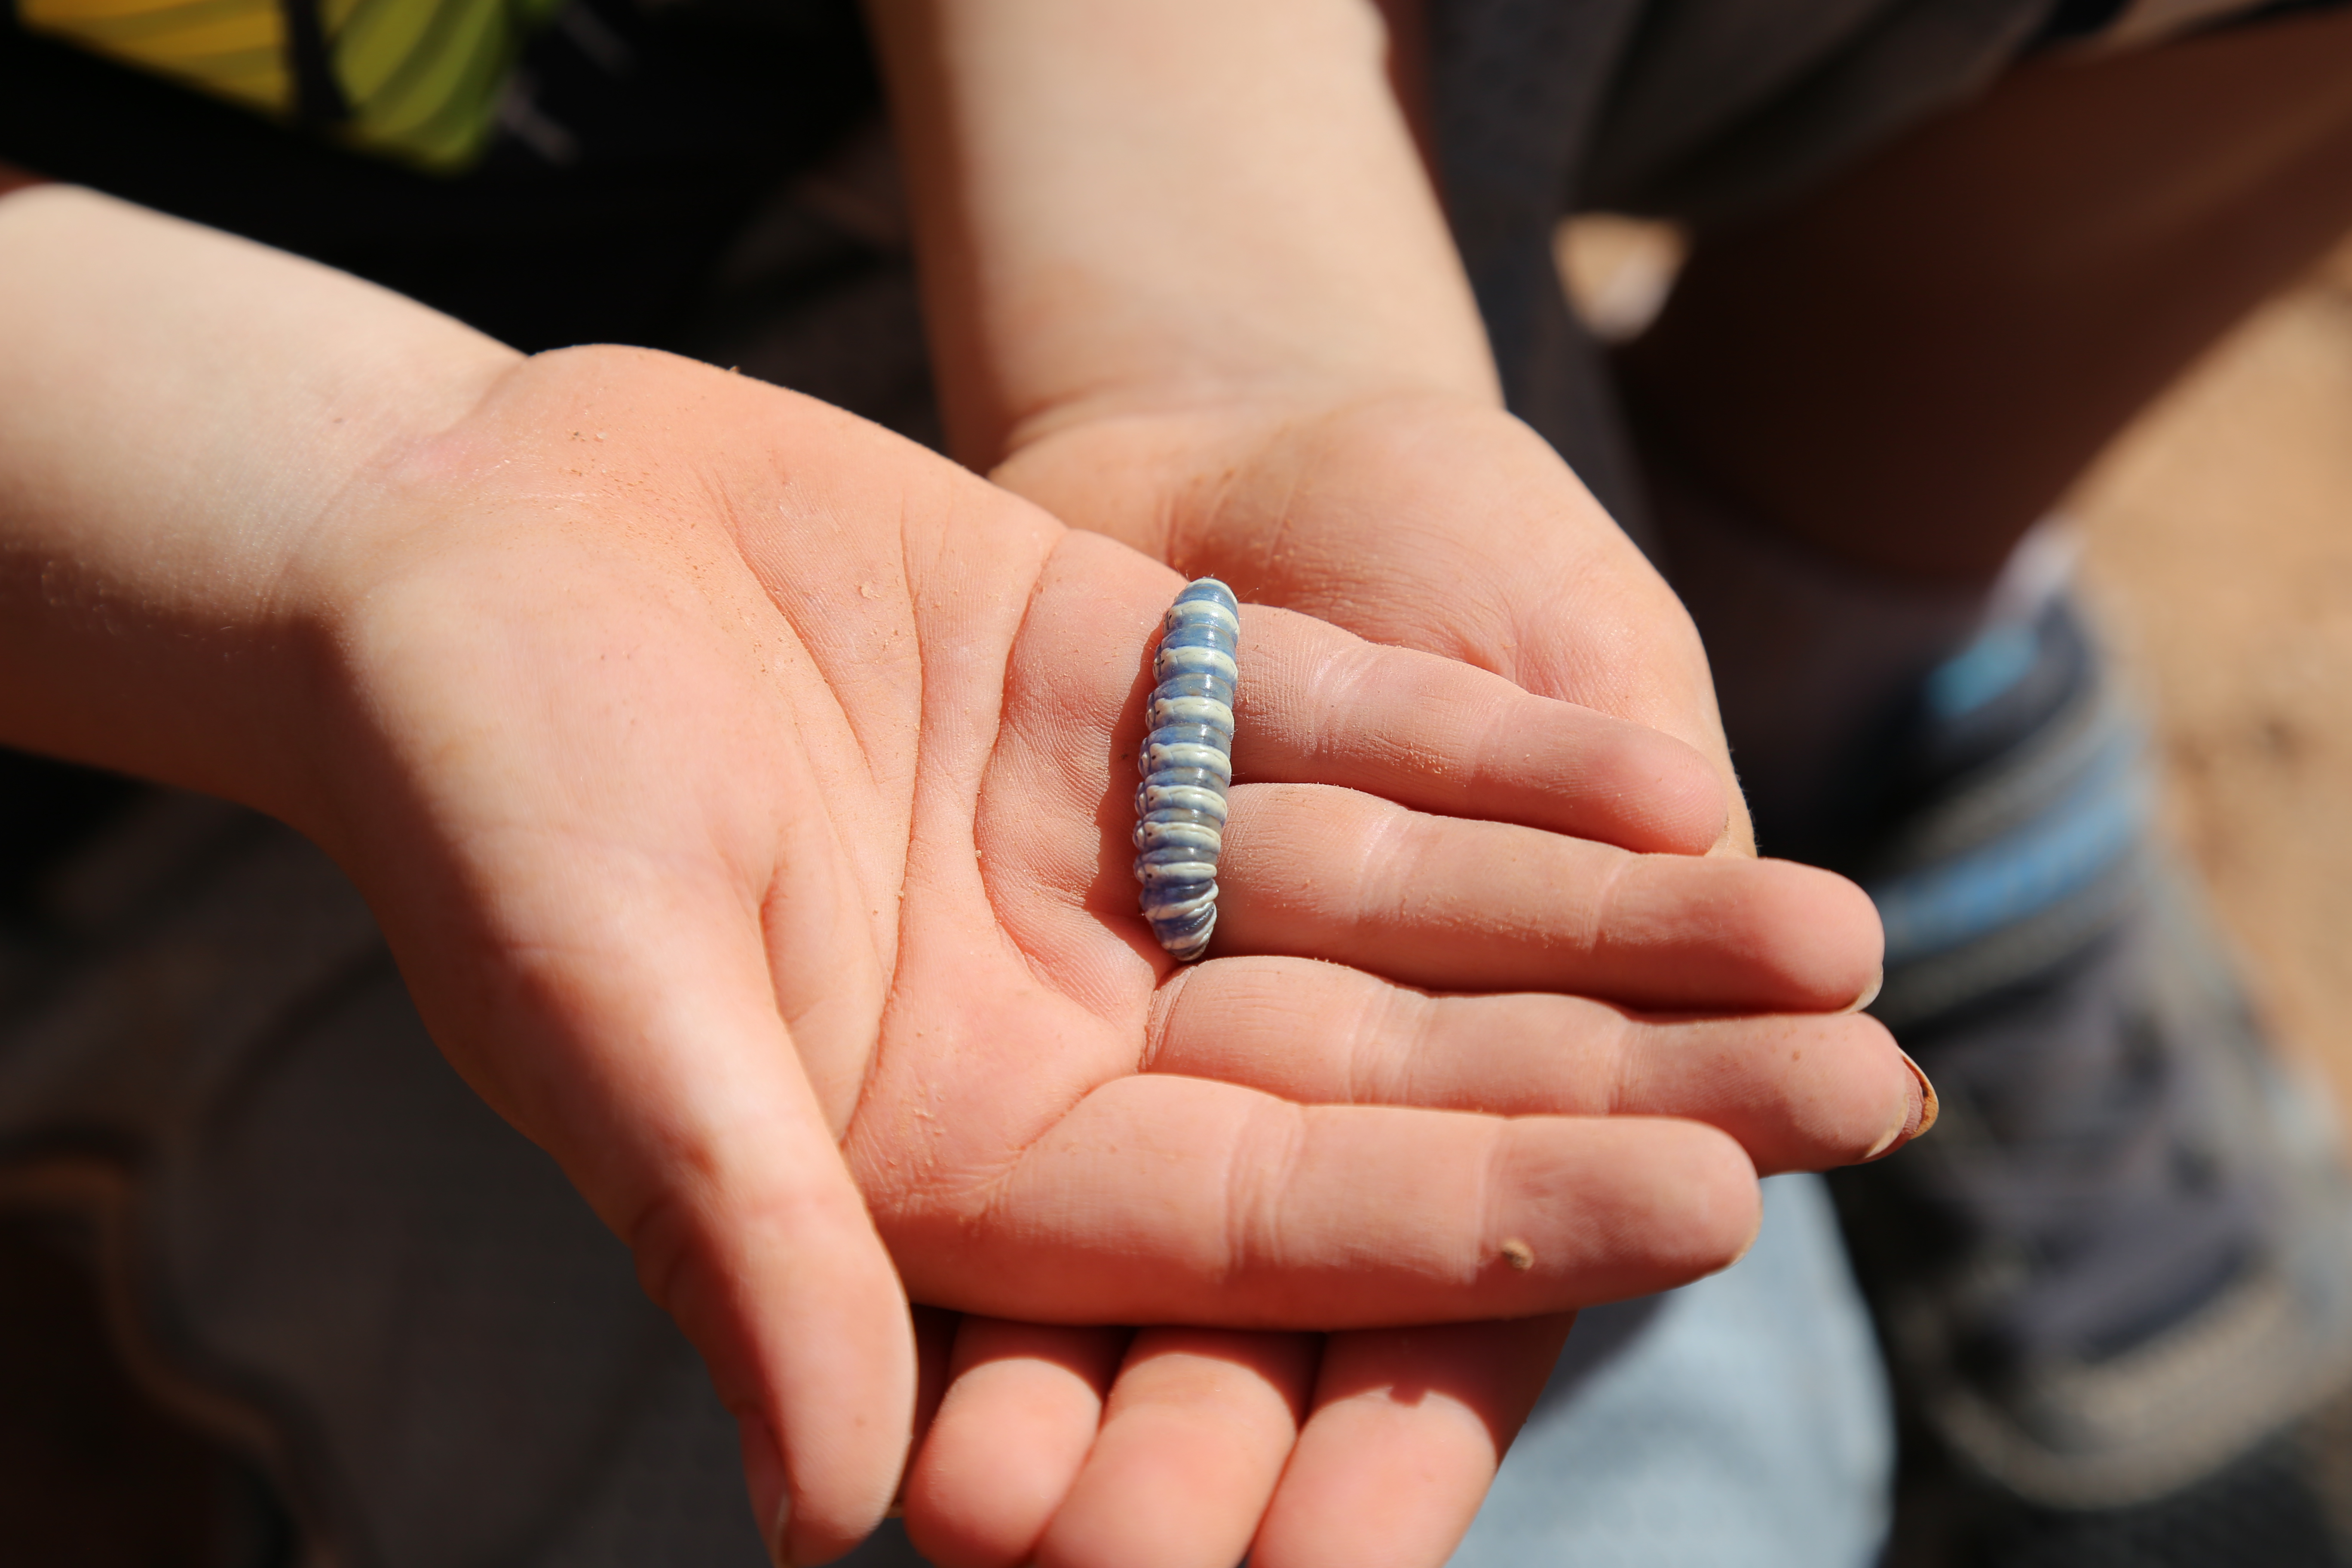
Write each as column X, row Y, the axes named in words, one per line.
column 1186, row 762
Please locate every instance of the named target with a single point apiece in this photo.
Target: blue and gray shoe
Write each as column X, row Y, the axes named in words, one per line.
column 2122, row 1266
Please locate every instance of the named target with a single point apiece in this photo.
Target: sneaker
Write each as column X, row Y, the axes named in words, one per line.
column 2120, row 1270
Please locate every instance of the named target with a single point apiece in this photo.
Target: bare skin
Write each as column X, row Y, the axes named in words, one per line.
column 1189, row 286
column 1191, row 290
column 1275, row 376
column 735, row 784
column 1315, row 421
column 1907, row 369
column 1272, row 373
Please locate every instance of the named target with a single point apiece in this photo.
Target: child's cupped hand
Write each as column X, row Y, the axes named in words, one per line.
column 746, row 795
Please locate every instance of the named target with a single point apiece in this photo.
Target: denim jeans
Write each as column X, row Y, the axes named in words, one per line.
column 1745, row 1424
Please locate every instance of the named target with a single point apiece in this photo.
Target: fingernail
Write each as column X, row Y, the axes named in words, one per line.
column 1929, row 1109
column 1918, row 1112
column 1870, row 994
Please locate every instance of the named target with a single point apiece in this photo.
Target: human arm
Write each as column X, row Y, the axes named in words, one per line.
column 1190, row 284
column 574, row 665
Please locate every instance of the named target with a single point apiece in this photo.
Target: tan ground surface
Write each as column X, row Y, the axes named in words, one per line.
column 2219, row 548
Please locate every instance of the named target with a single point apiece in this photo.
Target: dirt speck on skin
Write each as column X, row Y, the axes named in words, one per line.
column 1518, row 1255
column 2218, row 549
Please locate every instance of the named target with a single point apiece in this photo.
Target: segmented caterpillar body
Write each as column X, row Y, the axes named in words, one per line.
column 1186, row 762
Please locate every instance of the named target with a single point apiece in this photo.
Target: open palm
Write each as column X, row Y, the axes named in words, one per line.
column 744, row 792
column 1444, row 525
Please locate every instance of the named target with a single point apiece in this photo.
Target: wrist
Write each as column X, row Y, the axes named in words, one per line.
column 1124, row 208
column 485, row 580
column 404, row 501
column 1153, row 468
column 183, row 417
column 1193, row 411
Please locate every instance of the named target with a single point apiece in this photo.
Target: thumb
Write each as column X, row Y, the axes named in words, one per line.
column 773, row 1270
column 644, row 1051
column 748, row 1229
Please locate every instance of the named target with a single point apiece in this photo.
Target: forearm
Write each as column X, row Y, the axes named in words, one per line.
column 1141, row 208
column 180, row 412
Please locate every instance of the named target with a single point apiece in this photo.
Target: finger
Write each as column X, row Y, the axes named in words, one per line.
column 1441, row 901
column 1022, row 1406
column 1412, row 521
column 635, row 1035
column 1409, row 1426
column 1800, row 1092
column 1193, row 1439
column 746, row 1229
column 1179, row 1200
column 1317, row 705
column 937, row 1334
column 1052, row 769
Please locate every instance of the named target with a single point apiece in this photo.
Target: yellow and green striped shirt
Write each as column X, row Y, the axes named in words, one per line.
column 419, row 80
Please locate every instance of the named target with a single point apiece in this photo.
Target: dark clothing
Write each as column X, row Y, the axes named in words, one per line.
column 629, row 151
